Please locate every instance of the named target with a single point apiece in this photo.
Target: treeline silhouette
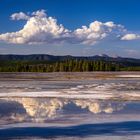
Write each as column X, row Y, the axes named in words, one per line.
column 63, row 66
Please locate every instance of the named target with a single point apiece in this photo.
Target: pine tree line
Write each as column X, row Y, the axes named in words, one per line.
column 64, row 66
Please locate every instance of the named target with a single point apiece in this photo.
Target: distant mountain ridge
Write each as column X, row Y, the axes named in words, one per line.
column 46, row 57
column 54, row 57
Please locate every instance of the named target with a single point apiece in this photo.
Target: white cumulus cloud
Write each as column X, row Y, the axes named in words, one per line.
column 97, row 31
column 41, row 28
column 130, row 37
column 19, row 16
column 38, row 29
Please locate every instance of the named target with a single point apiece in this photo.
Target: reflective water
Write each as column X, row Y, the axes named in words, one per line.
column 107, row 109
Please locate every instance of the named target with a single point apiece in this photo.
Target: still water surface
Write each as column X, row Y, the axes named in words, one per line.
column 107, row 109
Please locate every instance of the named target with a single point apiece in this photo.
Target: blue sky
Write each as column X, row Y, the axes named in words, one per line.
column 73, row 14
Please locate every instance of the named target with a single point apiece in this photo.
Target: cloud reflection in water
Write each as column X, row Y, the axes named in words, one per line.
column 43, row 109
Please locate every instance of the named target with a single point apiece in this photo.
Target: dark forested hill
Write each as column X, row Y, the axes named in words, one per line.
column 49, row 63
